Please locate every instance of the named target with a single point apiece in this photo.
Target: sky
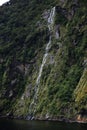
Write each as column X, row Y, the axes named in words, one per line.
column 3, row 1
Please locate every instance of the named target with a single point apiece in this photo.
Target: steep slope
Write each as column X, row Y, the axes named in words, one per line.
column 24, row 35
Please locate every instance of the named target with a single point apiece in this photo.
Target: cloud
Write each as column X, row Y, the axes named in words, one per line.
column 3, row 1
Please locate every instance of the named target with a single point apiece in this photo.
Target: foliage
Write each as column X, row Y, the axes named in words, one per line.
column 23, row 38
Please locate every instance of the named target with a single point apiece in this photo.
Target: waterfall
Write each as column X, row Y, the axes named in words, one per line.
column 43, row 62
column 50, row 27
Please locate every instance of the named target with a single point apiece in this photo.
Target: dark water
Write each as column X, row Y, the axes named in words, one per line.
column 6, row 124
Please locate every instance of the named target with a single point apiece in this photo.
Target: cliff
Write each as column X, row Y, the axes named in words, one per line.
column 43, row 59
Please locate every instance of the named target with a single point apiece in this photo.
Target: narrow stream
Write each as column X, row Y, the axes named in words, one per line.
column 36, row 89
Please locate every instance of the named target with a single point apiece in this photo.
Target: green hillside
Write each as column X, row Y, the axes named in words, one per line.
column 24, row 34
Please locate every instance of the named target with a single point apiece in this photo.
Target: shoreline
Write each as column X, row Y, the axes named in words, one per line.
column 50, row 119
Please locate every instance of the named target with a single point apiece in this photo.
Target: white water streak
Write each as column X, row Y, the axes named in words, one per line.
column 50, row 27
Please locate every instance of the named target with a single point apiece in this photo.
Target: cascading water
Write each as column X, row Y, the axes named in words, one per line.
column 50, row 27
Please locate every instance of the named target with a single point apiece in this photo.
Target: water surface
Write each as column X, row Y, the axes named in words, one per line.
column 6, row 124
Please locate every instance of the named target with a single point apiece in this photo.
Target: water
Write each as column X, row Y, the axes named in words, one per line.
column 50, row 27
column 6, row 124
column 36, row 89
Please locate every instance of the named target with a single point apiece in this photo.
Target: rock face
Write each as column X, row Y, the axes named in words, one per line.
column 44, row 53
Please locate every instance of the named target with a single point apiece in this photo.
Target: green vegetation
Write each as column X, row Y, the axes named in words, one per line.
column 23, row 38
